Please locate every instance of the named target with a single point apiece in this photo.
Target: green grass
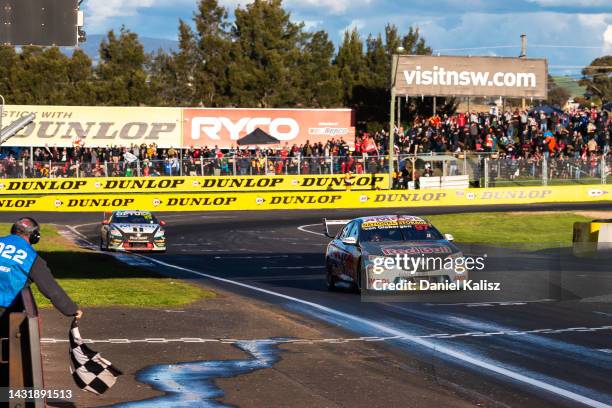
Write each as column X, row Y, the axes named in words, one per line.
column 519, row 230
column 93, row 279
column 571, row 85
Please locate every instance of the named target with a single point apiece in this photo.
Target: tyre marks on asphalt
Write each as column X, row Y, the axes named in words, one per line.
column 193, row 383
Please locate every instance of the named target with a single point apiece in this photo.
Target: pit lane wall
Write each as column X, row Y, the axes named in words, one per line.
column 228, row 201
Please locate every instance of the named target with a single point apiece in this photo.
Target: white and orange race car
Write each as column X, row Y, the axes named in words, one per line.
column 383, row 252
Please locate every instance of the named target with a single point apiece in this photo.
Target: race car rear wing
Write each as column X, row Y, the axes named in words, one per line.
column 327, row 223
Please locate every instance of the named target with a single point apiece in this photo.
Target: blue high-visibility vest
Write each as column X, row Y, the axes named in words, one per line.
column 16, row 259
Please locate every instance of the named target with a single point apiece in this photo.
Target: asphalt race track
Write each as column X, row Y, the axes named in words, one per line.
column 547, row 340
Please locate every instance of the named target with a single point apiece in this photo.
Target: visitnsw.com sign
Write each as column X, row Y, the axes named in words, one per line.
column 471, row 76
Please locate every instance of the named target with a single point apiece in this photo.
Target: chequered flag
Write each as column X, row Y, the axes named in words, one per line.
column 90, row 371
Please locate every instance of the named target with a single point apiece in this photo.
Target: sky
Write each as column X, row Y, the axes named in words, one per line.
column 569, row 33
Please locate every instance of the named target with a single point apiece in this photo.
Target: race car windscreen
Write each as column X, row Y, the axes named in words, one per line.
column 394, row 231
column 134, row 218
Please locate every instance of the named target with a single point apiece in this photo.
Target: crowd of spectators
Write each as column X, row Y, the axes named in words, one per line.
column 518, row 140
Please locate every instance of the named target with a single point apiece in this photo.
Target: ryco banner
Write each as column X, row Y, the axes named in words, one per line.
column 405, row 200
column 419, row 75
column 223, row 127
column 188, row 184
column 63, row 126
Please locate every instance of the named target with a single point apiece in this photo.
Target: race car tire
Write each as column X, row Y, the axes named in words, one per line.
column 357, row 287
column 102, row 248
column 330, row 280
column 106, row 248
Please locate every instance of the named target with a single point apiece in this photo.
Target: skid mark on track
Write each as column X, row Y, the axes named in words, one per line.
column 193, row 383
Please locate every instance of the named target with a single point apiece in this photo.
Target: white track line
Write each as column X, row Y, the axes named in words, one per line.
column 292, row 267
column 486, row 304
column 436, row 348
column 303, row 229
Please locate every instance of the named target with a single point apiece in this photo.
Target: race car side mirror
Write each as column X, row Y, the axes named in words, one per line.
column 162, row 223
column 449, row 237
column 105, row 222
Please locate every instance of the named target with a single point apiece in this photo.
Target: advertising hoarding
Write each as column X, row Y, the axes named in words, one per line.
column 63, row 126
column 223, row 127
column 471, row 76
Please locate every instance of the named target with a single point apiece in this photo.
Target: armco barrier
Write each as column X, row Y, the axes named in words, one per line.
column 305, row 199
column 189, row 184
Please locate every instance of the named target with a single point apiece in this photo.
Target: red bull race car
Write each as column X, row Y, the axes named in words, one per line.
column 391, row 253
column 132, row 231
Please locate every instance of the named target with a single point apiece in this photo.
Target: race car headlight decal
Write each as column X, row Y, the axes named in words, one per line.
column 115, row 232
column 456, row 264
column 375, row 264
column 160, row 234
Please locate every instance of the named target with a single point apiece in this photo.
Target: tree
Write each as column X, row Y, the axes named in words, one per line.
column 40, row 77
column 597, row 77
column 366, row 78
column 121, row 71
column 351, row 65
column 557, row 95
column 320, row 87
column 266, row 56
column 414, row 44
column 8, row 64
column 212, row 55
column 172, row 75
column 81, row 89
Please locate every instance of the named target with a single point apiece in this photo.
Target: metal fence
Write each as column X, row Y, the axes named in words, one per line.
column 228, row 166
column 519, row 171
column 484, row 170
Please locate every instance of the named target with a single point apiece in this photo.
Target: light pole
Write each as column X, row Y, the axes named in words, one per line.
column 394, row 63
column 1, row 111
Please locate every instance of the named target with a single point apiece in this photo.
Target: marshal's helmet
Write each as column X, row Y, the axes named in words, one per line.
column 28, row 227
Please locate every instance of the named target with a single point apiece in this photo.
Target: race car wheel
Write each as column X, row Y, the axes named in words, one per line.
column 102, row 248
column 330, row 280
column 357, row 287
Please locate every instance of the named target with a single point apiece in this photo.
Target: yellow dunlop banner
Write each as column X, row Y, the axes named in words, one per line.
column 405, row 199
column 188, row 184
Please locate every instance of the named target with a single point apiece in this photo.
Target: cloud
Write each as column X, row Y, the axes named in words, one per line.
column 99, row 12
column 328, row 6
column 357, row 24
column 607, row 37
column 312, row 25
column 571, row 3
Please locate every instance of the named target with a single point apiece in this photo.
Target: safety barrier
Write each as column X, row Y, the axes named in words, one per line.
column 21, row 358
column 189, row 184
column 446, row 182
column 160, row 201
column 592, row 237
